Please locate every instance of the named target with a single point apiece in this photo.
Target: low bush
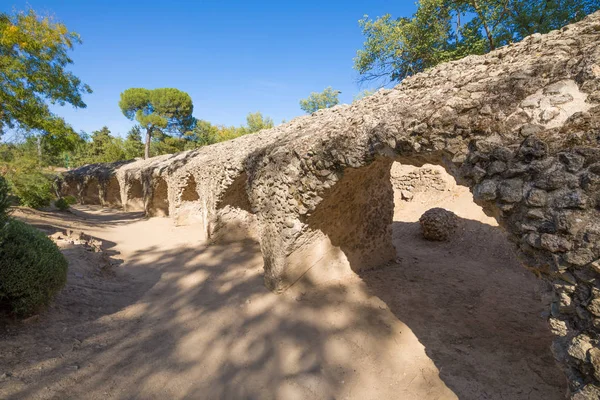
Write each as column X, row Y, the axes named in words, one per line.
column 4, row 201
column 34, row 189
column 70, row 200
column 62, row 204
column 32, row 269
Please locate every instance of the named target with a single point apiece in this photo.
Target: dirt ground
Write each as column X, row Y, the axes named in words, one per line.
column 159, row 315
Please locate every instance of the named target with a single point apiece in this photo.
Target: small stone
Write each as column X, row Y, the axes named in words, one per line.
column 511, row 191
column 594, row 306
column 485, row 191
column 496, row 167
column 594, row 354
column 574, row 162
column 533, row 148
column 438, row 224
column 537, row 198
column 570, row 199
column 589, row 392
column 478, row 174
column 558, row 327
column 406, row 195
column 560, row 99
column 579, row 257
column 579, row 347
column 549, row 114
column 555, row 243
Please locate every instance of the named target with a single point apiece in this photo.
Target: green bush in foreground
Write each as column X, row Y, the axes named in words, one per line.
column 32, row 269
column 62, row 204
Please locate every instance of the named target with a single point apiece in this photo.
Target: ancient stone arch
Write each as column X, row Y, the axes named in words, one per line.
column 158, row 203
column 519, row 126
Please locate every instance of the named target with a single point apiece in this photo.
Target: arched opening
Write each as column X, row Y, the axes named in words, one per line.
column 135, row 196
column 91, row 192
column 234, row 220
column 112, row 193
column 189, row 192
column 468, row 299
column 189, row 208
column 545, row 201
column 159, row 201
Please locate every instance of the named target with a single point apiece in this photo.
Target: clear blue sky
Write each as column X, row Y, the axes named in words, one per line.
column 232, row 57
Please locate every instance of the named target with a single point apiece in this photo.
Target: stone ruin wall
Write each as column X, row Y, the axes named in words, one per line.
column 408, row 180
column 519, row 126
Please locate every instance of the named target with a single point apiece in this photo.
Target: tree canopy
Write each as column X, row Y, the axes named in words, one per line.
column 445, row 30
column 316, row 101
column 33, row 61
column 157, row 110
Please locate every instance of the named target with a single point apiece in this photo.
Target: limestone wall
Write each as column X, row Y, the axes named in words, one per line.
column 519, row 126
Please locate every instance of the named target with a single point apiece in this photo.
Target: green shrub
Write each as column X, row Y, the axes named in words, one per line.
column 61, row 204
column 32, row 269
column 34, row 189
column 4, row 201
column 70, row 200
column 4, row 205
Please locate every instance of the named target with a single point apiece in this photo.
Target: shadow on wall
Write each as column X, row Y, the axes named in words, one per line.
column 91, row 192
column 198, row 322
column 112, row 195
column 190, row 192
column 159, row 200
column 135, row 196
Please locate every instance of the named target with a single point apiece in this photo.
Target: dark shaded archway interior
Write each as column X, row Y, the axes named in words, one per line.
column 91, row 192
column 135, row 196
column 112, row 192
column 159, row 200
column 189, row 192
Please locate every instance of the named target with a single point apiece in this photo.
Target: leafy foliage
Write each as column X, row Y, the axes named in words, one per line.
column 61, row 204
column 256, row 122
column 157, row 110
column 4, row 204
column 133, row 146
column 32, row 269
column 445, row 30
column 33, row 58
column 317, row 101
column 28, row 182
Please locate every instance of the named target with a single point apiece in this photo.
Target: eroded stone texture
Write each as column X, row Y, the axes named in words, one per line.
column 519, row 126
column 438, row 224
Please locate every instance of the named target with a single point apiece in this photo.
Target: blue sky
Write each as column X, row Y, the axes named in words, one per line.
column 232, row 57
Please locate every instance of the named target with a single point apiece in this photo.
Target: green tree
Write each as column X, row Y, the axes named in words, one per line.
column 105, row 148
column 33, row 61
column 445, row 30
column 316, row 101
column 204, row 133
column 133, row 146
column 157, row 110
column 256, row 122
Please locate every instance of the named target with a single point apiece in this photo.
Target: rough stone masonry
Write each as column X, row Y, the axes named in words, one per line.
column 519, row 126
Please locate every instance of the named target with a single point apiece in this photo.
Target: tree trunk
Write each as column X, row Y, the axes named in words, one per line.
column 486, row 28
column 147, row 147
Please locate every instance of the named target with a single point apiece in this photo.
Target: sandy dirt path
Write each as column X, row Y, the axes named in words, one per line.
column 179, row 319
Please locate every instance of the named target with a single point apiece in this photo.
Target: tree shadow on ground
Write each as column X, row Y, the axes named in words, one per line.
column 197, row 322
column 476, row 310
